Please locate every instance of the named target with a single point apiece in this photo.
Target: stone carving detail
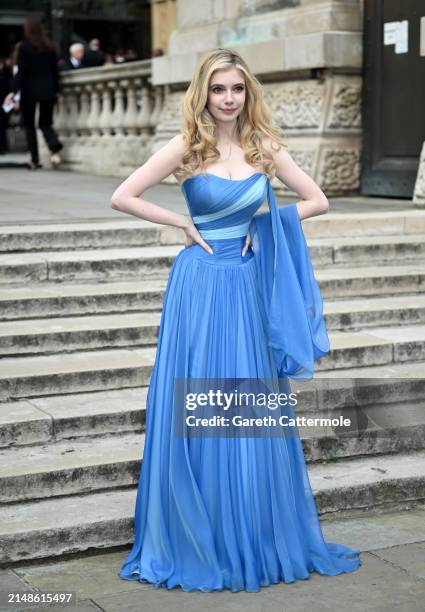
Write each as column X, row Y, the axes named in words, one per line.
column 304, row 159
column 295, row 104
column 340, row 170
column 345, row 111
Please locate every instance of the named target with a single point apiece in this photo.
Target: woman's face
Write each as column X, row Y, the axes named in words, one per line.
column 226, row 94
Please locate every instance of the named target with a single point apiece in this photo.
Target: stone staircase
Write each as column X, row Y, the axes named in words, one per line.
column 80, row 307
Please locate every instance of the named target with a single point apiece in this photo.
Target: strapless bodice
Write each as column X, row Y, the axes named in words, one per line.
column 223, row 208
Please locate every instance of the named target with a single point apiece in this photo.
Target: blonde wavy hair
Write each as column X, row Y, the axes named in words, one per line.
column 199, row 127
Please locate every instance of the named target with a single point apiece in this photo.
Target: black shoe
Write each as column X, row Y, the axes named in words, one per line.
column 33, row 165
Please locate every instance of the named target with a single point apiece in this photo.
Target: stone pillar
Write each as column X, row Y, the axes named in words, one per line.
column 163, row 23
column 419, row 191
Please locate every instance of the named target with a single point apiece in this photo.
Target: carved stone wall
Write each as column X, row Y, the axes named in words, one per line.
column 320, row 122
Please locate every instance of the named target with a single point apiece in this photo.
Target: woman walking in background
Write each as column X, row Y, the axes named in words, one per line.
column 37, row 80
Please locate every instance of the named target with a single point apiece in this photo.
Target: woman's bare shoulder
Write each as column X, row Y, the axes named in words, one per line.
column 178, row 143
column 270, row 144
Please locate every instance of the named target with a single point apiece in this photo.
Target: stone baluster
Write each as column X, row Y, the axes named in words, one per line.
column 144, row 116
column 130, row 116
column 158, row 100
column 106, row 117
column 93, row 118
column 118, row 114
column 61, row 115
column 72, row 113
column 84, row 110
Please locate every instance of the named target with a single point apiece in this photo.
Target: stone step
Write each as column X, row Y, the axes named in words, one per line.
column 371, row 430
column 375, row 346
column 350, row 225
column 104, row 520
column 353, row 314
column 128, row 232
column 68, row 299
column 367, row 249
column 70, row 466
column 87, row 464
column 76, row 372
column 130, row 262
column 101, row 264
column 41, row 420
column 382, row 280
column 340, row 288
column 64, row 334
column 93, row 370
column 98, row 235
column 410, row 370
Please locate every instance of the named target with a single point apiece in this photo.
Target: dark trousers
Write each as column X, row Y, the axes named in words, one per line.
column 4, row 121
column 45, row 122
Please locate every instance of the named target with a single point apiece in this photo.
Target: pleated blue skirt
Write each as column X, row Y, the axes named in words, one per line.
column 219, row 512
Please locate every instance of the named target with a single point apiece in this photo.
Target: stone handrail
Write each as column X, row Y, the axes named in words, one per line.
column 112, row 99
column 106, row 116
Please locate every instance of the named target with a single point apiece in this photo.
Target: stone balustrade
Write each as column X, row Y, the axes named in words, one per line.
column 106, row 117
column 112, row 119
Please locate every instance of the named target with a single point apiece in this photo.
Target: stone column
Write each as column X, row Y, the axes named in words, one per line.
column 419, row 191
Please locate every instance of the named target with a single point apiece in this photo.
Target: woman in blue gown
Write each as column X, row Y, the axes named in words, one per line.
column 215, row 510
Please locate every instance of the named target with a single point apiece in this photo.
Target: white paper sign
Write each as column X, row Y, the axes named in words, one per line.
column 390, row 32
column 396, row 33
column 402, row 45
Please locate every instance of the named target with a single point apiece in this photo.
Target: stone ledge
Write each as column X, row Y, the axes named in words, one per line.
column 318, row 50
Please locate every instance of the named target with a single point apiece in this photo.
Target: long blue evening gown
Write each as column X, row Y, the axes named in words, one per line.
column 216, row 513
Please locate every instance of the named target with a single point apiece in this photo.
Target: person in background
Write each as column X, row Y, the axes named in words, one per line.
column 76, row 54
column 119, row 56
column 37, row 80
column 5, row 83
column 130, row 55
column 93, row 56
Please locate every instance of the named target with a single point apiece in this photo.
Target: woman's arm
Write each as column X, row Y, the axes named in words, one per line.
column 160, row 165
column 314, row 202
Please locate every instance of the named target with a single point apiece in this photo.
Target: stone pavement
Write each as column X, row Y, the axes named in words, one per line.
column 45, row 196
column 392, row 577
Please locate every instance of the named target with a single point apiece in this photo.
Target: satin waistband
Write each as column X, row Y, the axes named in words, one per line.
column 225, row 251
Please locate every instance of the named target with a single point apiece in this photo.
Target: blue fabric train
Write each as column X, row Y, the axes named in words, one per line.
column 222, row 512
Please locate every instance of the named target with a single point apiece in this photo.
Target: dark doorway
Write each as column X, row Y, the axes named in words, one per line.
column 393, row 96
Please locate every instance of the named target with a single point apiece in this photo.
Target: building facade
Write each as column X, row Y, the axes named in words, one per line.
column 345, row 81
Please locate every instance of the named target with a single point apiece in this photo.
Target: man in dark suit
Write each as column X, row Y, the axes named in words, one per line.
column 93, row 56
